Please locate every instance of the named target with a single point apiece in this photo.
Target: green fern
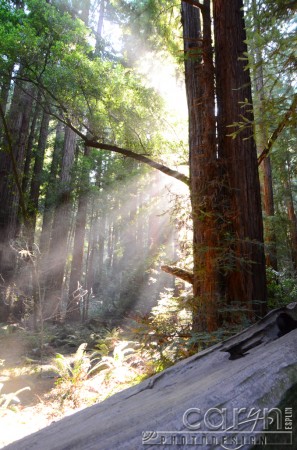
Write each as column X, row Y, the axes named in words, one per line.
column 73, row 372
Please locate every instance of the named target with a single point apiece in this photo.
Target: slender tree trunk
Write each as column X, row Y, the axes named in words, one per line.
column 262, row 139
column 292, row 221
column 73, row 307
column 293, row 230
column 96, row 278
column 100, row 27
column 33, row 270
column 270, row 236
column 31, row 138
column 37, row 176
column 110, row 244
column 6, row 86
column 51, row 191
column 18, row 128
column 95, row 269
column 85, row 11
column 245, row 280
column 58, row 245
column 101, row 245
column 89, row 277
column 139, row 223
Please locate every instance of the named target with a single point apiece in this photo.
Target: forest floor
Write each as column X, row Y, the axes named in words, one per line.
column 30, row 410
column 22, row 366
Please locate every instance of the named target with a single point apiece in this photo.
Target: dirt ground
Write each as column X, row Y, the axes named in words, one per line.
column 18, row 371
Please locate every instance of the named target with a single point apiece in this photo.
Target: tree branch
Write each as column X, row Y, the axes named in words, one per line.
column 180, row 273
column 95, row 144
column 278, row 130
column 144, row 159
column 123, row 151
column 195, row 4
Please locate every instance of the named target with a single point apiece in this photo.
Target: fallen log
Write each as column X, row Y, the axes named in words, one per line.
column 236, row 394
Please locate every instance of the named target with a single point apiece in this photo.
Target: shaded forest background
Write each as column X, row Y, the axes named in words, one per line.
column 85, row 223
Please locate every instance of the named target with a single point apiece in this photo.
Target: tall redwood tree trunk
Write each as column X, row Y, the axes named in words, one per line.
column 204, row 185
column 245, row 279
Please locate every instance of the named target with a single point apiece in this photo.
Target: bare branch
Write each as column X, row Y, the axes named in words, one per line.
column 144, row 159
column 278, row 130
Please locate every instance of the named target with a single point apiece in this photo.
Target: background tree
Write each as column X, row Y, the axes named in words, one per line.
column 275, row 102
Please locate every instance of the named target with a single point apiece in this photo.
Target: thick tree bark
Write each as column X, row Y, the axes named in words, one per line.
column 245, row 274
column 204, row 185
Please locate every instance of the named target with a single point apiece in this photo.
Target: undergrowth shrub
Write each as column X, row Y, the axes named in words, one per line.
column 164, row 332
column 281, row 288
